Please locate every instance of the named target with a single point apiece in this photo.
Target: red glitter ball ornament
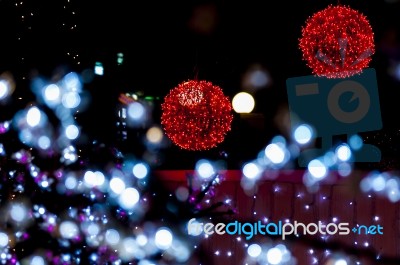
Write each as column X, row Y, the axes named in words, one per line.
column 196, row 115
column 337, row 42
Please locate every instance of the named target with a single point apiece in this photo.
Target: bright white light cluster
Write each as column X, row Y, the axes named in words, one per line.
column 112, row 194
column 64, row 98
column 269, row 254
column 384, row 184
column 281, row 153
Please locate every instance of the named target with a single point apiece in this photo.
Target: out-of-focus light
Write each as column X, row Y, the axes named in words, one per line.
column 112, row 236
column 344, row 169
column 3, row 239
column 378, row 183
column 33, row 117
column 154, row 135
column 274, row 256
column 52, row 94
column 275, row 153
column 141, row 240
column 303, row 134
column 182, row 193
column 343, row 152
column 37, row 260
column 90, row 178
column 69, row 155
column 259, row 78
column 72, row 82
column 117, row 185
column 93, row 229
column 129, row 198
column 317, row 169
column 5, row 89
column 100, row 178
column 18, row 212
column 44, row 142
column 98, row 68
column 204, row 169
column 340, row 262
column 356, row 142
column 120, row 58
column 71, row 182
column 251, row 170
column 140, row 170
column 254, row 250
column 72, row 132
column 256, row 77
column 163, row 238
column 68, row 230
column 136, row 111
column 71, row 100
column 243, row 102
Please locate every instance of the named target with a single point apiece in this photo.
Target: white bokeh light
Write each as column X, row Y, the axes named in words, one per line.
column 68, row 230
column 303, row 134
column 163, row 238
column 72, row 82
column 33, row 117
column 317, row 169
column 141, row 240
column 251, row 170
column 275, row 153
column 52, row 94
column 112, row 236
column 18, row 212
column 37, row 260
column 129, row 198
column 274, row 256
column 3, row 239
column 90, row 178
column 204, row 169
column 340, row 262
column 44, row 142
column 93, row 229
column 254, row 250
column 140, row 170
column 378, row 183
column 71, row 100
column 343, row 152
column 117, row 185
column 72, row 132
column 136, row 111
column 243, row 103
column 4, row 89
column 71, row 182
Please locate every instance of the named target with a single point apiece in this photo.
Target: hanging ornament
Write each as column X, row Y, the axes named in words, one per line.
column 337, row 42
column 196, row 115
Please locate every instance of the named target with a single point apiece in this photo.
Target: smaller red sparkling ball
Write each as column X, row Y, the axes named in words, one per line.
column 196, row 115
column 337, row 42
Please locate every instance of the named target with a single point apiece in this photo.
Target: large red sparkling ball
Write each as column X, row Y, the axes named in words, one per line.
column 337, row 42
column 196, row 115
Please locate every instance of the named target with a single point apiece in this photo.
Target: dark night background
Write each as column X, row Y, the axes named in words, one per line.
column 167, row 42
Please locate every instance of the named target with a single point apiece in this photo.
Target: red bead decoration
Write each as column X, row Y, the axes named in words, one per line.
column 196, row 115
column 337, row 42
